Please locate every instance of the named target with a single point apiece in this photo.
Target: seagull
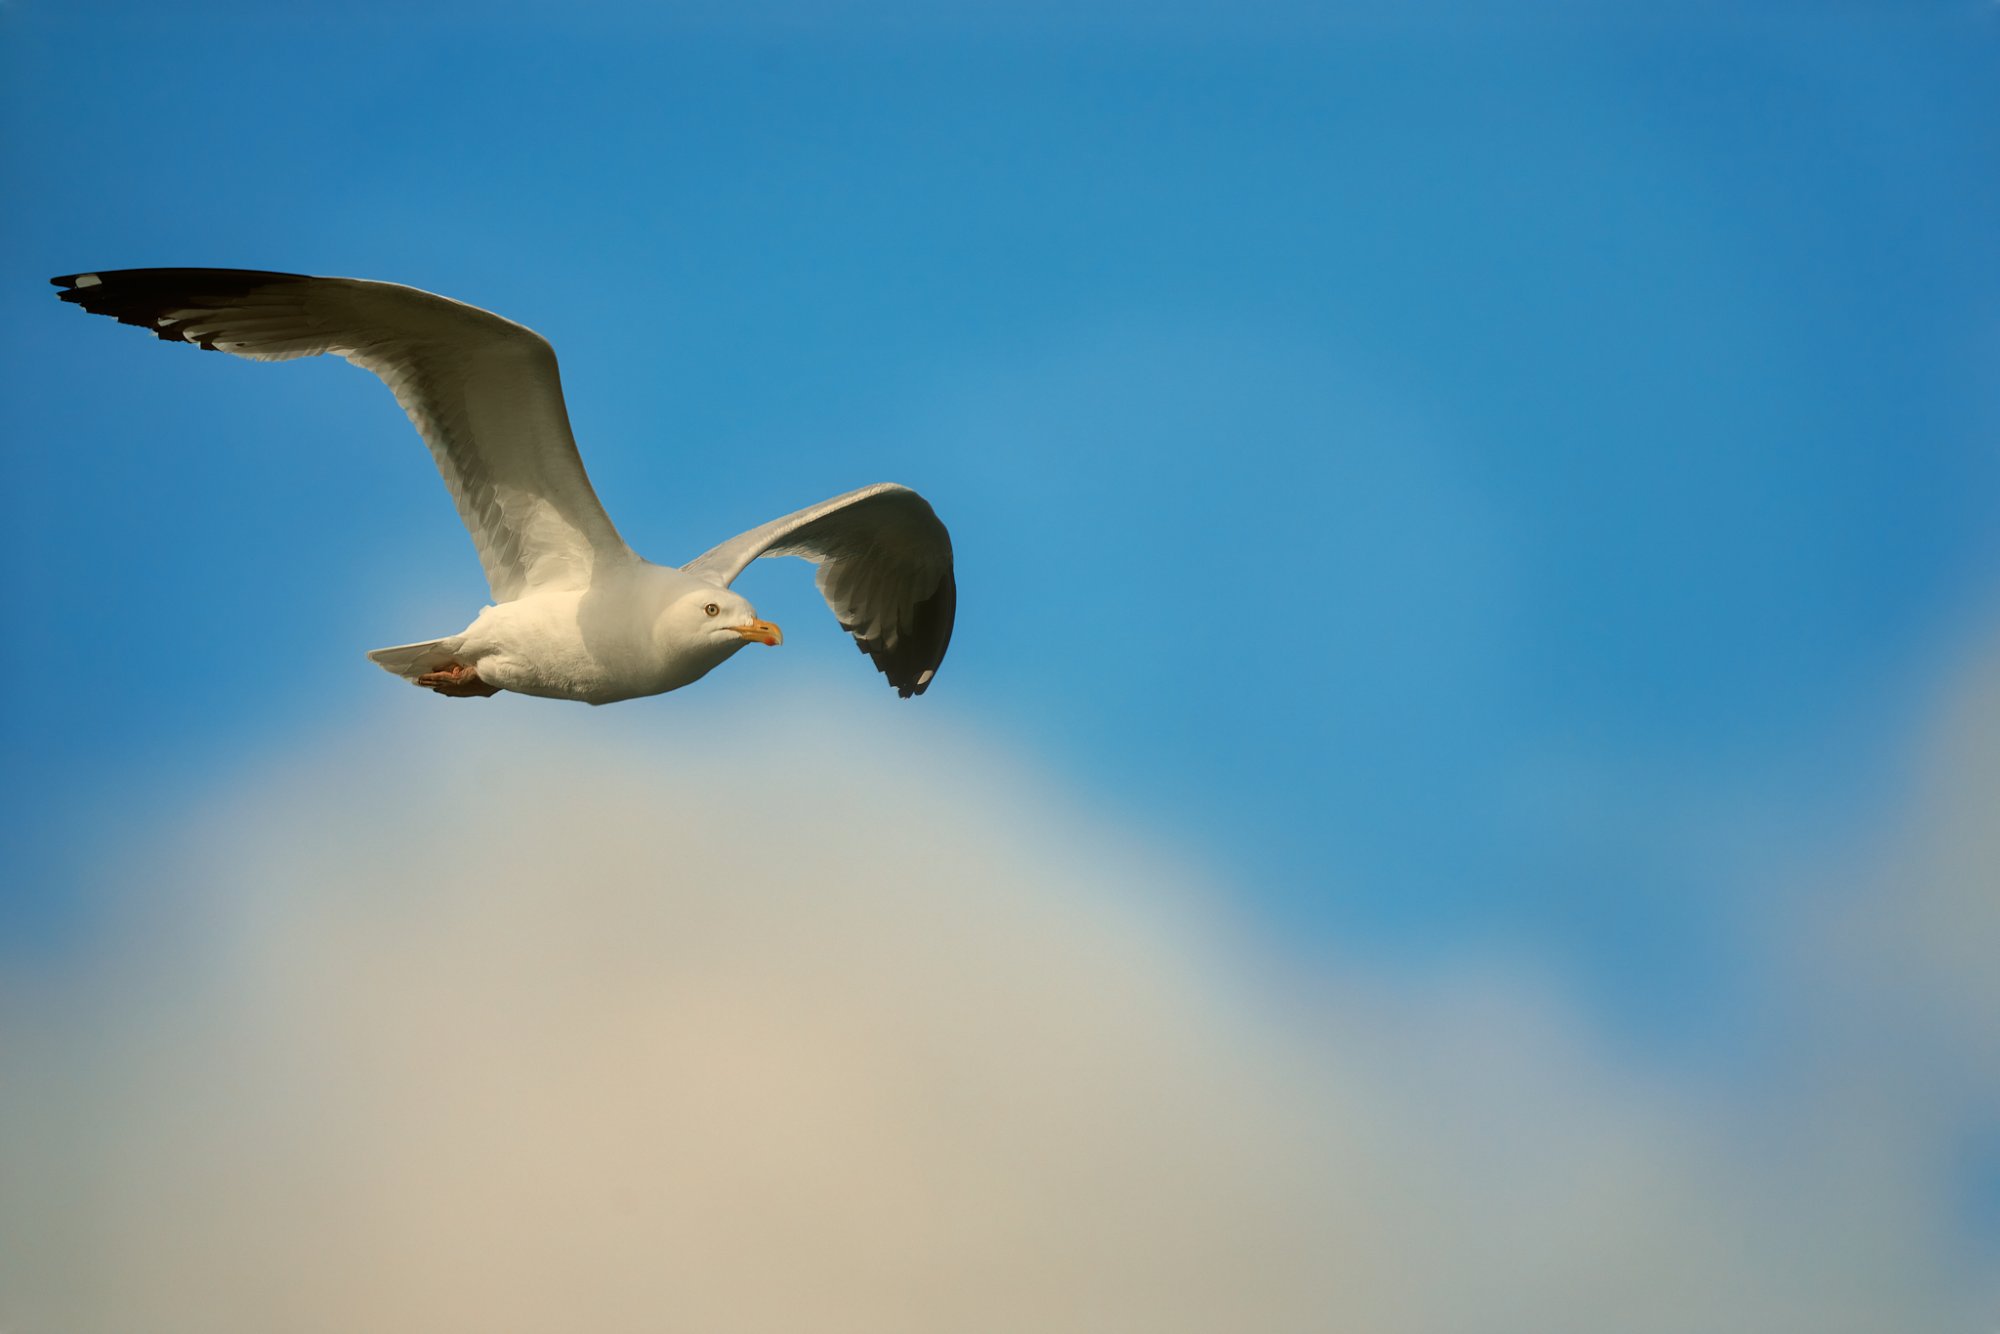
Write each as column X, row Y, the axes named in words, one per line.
column 576, row 613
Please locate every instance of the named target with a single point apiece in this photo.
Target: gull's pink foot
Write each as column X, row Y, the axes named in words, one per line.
column 457, row 679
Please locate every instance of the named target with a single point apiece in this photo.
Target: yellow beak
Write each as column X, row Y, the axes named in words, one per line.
column 760, row 632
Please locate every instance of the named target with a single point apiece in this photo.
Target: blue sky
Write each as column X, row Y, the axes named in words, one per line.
column 1481, row 486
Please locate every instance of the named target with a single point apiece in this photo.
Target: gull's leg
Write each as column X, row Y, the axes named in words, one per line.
column 458, row 680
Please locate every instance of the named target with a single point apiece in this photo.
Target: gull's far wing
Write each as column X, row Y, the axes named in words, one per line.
column 884, row 567
column 482, row 391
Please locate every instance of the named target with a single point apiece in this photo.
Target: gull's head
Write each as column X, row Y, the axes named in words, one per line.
column 713, row 623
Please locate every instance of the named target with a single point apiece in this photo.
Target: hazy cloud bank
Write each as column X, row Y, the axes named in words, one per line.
column 506, row 1021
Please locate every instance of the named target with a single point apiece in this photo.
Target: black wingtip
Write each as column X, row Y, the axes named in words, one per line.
column 912, row 664
column 163, row 284
column 144, row 297
column 74, row 285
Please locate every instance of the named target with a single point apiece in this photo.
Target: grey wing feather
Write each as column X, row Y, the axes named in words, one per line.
column 885, row 568
column 483, row 392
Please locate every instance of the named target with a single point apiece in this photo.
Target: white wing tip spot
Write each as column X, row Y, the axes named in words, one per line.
column 925, row 679
column 88, row 280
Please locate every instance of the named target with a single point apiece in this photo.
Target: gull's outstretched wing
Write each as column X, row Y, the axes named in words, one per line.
column 482, row 391
column 884, row 567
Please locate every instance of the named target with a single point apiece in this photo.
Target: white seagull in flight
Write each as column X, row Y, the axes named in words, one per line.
column 576, row 613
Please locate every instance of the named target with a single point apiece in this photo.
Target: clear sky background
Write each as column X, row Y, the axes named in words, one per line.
column 1474, row 498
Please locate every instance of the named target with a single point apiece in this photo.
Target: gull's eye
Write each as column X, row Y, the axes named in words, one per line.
column 712, row 609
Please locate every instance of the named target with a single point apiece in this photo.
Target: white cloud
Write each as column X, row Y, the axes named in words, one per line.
column 764, row 1024
column 1900, row 968
column 1941, row 912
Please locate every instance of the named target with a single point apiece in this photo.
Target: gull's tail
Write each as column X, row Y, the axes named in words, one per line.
column 410, row 661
